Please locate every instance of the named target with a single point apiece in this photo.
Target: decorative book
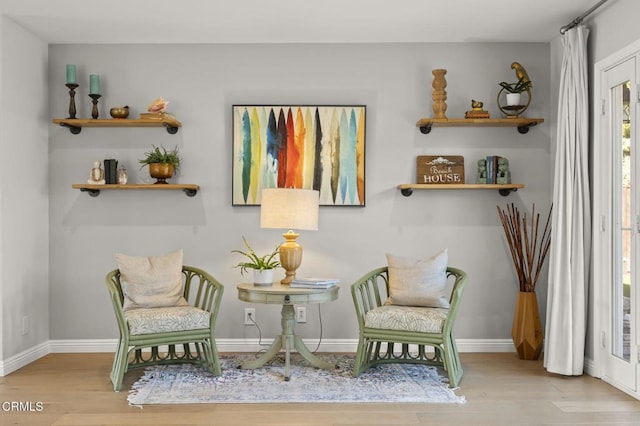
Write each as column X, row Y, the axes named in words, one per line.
column 314, row 282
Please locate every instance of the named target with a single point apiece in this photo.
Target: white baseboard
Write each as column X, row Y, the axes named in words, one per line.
column 23, row 358
column 589, row 367
column 224, row 345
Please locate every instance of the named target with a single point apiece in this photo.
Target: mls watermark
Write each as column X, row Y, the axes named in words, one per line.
column 22, row 406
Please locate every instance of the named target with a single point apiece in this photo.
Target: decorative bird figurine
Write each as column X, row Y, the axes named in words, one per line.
column 521, row 73
column 477, row 105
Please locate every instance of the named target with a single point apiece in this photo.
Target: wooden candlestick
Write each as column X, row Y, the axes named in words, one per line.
column 439, row 93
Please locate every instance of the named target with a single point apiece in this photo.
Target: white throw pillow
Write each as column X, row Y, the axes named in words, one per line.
column 415, row 282
column 152, row 281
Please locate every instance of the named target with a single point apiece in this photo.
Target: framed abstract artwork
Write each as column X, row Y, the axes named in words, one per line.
column 317, row 147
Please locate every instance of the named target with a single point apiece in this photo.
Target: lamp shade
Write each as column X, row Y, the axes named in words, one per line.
column 289, row 208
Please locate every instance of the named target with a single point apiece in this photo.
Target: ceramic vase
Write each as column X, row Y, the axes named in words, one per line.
column 527, row 328
column 263, row 277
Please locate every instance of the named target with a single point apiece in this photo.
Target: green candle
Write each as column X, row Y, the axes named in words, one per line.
column 71, row 74
column 94, row 84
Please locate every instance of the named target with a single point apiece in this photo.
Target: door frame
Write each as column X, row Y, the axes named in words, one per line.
column 600, row 253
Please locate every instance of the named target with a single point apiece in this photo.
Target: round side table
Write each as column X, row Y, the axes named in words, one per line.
column 286, row 296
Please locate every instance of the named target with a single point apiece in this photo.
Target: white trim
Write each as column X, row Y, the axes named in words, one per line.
column 590, row 367
column 82, row 346
column 599, row 277
column 23, row 358
column 224, row 345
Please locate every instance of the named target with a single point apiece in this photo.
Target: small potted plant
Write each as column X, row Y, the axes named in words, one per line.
column 515, row 89
column 263, row 266
column 162, row 163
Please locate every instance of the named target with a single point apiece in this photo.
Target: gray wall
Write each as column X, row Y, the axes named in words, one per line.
column 612, row 27
column 24, row 192
column 203, row 82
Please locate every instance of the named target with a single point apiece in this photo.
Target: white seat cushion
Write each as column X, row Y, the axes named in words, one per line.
column 163, row 320
column 406, row 318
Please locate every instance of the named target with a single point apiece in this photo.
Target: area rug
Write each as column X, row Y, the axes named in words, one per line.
column 189, row 384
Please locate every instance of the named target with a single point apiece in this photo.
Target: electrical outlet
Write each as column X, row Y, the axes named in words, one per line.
column 25, row 325
column 249, row 315
column 301, row 314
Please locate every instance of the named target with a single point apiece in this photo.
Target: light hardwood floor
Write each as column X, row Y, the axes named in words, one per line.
column 500, row 390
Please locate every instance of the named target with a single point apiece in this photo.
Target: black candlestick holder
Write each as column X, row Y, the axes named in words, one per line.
column 72, row 99
column 94, row 99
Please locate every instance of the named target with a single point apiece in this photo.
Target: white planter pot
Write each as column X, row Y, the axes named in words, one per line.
column 263, row 277
column 513, row 99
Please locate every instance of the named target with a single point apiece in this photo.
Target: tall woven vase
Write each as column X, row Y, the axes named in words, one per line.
column 527, row 328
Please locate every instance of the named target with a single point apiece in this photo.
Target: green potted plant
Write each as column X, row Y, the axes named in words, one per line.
column 515, row 89
column 162, row 163
column 262, row 266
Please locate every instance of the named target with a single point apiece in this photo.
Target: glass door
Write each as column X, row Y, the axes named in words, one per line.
column 620, row 225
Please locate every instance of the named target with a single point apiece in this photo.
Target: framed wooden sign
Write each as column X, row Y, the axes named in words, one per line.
column 440, row 169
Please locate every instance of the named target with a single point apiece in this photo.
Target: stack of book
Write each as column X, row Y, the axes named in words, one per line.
column 313, row 282
column 477, row 113
column 156, row 116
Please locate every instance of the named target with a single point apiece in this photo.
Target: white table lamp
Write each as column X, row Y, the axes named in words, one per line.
column 290, row 208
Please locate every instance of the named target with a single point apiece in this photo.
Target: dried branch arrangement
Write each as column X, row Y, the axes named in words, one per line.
column 528, row 248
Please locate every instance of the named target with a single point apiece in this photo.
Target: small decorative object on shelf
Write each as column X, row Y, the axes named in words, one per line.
column 96, row 176
column 481, row 176
column 72, row 74
column 72, row 84
column 509, row 99
column 123, row 176
column 72, row 100
column 447, row 169
column 94, row 93
column 119, row 112
column 110, row 170
column 158, row 105
column 477, row 110
column 496, row 170
column 503, row 175
column 439, row 95
column 162, row 163
column 157, row 110
column 94, row 100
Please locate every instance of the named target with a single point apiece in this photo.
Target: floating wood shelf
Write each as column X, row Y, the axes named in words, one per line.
column 523, row 124
column 94, row 190
column 75, row 125
column 504, row 189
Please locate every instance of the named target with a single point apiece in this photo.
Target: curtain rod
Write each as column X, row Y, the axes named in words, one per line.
column 579, row 19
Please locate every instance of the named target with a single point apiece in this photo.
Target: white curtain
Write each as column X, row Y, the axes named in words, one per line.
column 571, row 233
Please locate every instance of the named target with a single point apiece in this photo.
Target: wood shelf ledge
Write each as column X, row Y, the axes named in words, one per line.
column 94, row 190
column 522, row 124
column 75, row 125
column 504, row 189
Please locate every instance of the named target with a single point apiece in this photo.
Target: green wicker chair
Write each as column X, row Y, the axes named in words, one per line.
column 203, row 292
column 369, row 294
